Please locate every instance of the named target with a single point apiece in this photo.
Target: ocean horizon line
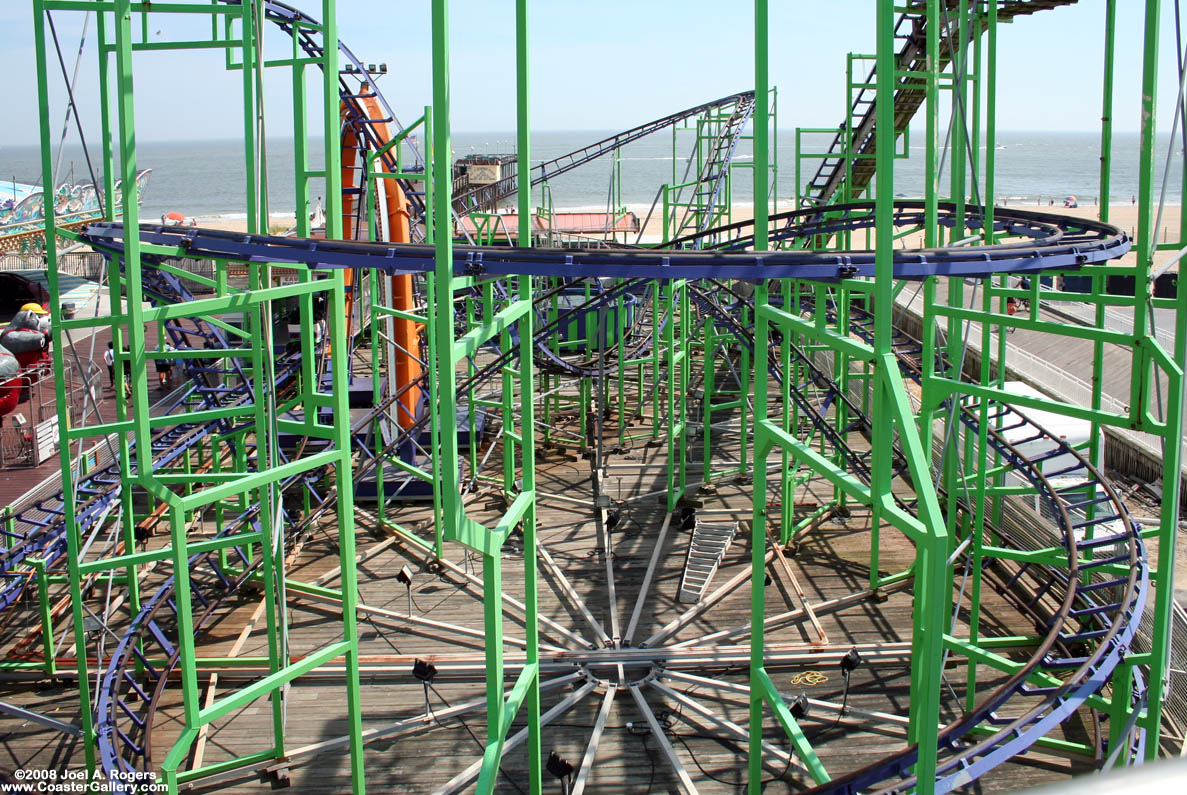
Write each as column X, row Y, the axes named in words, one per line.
column 592, row 130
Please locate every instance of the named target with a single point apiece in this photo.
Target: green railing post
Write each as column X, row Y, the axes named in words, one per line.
column 43, row 610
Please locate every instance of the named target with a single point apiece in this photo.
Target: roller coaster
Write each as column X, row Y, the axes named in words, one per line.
column 469, row 353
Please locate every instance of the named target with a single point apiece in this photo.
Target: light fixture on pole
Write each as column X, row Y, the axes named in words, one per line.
column 424, row 671
column 561, row 769
column 849, row 664
column 404, row 575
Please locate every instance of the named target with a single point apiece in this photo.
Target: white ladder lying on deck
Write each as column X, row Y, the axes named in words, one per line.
column 710, row 540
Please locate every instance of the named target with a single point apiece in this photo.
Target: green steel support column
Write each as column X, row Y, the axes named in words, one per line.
column 471, row 369
column 758, row 531
column 847, row 149
column 707, row 389
column 300, row 147
column 546, row 381
column 931, row 234
column 841, row 376
column 960, row 119
column 981, row 453
column 931, row 188
column 220, row 506
column 890, row 401
column 8, row 520
column 254, row 319
column 507, row 409
column 434, row 419
column 185, row 618
column 445, row 465
column 1145, row 244
column 990, row 184
column 127, row 513
column 527, row 334
column 620, row 359
column 675, row 345
column 251, row 177
column 127, row 168
column 1160, row 665
column 456, row 525
column 1106, row 111
column 105, row 116
column 492, row 583
column 686, row 331
column 1096, row 441
column 47, row 622
column 655, row 359
column 380, row 328
column 787, row 416
column 1163, row 575
column 583, row 400
column 430, row 332
column 1000, row 382
column 86, row 717
column 955, row 292
column 744, row 419
column 975, row 153
column 339, row 347
column 668, row 304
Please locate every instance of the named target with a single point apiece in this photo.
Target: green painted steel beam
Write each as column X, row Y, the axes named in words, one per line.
column 799, row 741
column 165, row 553
column 245, row 695
column 469, row 343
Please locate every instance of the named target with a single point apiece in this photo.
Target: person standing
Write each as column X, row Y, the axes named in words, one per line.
column 319, row 332
column 109, row 360
column 165, row 367
column 126, row 375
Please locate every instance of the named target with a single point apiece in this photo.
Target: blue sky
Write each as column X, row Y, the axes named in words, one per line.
column 600, row 66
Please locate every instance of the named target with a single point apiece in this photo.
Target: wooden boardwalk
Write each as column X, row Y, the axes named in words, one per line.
column 581, row 652
column 16, row 481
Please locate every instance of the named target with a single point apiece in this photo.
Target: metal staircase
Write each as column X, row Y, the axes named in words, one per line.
column 849, row 165
column 710, row 541
column 703, row 208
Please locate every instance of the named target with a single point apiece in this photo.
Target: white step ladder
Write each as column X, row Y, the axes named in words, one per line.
column 710, row 541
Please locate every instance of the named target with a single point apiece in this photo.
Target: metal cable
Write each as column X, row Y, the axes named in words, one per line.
column 74, row 79
column 77, row 121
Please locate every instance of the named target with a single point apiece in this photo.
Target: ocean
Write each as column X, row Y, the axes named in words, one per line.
column 207, row 178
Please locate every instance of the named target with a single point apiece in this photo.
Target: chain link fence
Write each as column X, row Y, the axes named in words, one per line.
column 92, row 265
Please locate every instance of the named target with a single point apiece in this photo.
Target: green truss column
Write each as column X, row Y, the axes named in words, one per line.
column 86, row 717
column 1141, row 397
column 890, row 401
column 180, row 488
column 674, row 304
column 448, row 352
column 528, row 403
column 767, row 435
column 931, row 187
column 758, row 535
